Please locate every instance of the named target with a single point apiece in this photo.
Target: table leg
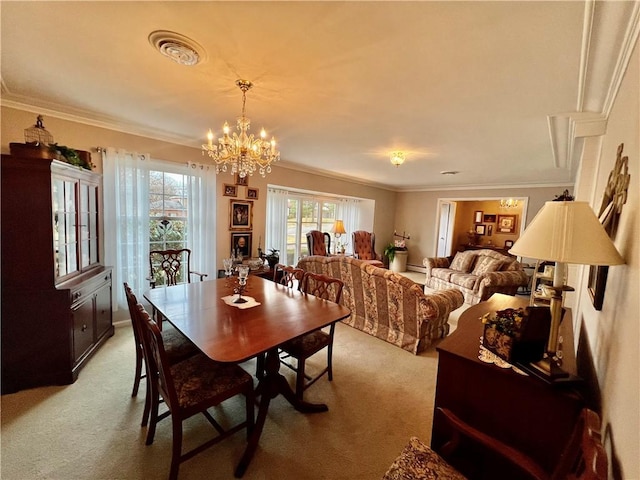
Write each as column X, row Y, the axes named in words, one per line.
column 272, row 384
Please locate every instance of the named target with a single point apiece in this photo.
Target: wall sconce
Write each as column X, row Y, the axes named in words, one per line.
column 397, row 158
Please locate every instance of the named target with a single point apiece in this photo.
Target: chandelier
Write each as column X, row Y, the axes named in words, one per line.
column 241, row 152
column 397, row 158
column 510, row 203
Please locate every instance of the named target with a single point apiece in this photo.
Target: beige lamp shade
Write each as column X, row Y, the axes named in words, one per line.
column 567, row 232
column 338, row 227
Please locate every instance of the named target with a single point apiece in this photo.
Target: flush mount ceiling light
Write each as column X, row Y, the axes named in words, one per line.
column 397, row 158
column 240, row 151
column 178, row 48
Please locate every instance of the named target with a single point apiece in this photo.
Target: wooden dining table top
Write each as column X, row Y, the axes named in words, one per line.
column 227, row 333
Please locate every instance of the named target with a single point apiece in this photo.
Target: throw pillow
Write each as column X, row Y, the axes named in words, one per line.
column 462, row 262
column 486, row 264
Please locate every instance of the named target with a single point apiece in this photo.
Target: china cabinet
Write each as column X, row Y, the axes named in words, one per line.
column 56, row 293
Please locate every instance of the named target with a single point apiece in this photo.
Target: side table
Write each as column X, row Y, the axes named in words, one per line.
column 522, row 411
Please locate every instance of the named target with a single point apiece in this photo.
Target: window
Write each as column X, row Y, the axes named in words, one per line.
column 154, row 204
column 292, row 214
column 168, row 218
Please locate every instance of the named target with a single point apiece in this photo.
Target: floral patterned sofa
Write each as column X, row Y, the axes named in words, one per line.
column 387, row 305
column 478, row 274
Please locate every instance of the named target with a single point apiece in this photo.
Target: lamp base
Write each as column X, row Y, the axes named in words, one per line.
column 548, row 370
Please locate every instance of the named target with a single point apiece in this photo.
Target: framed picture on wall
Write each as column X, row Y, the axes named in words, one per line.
column 507, row 223
column 481, row 229
column 240, row 215
column 242, row 180
column 477, row 216
column 241, row 244
column 252, row 193
column 230, row 190
column 489, row 218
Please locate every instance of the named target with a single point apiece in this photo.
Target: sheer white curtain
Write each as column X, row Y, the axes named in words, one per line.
column 277, row 210
column 126, row 217
column 349, row 213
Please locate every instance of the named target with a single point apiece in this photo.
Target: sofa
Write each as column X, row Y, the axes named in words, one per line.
column 387, row 305
column 478, row 274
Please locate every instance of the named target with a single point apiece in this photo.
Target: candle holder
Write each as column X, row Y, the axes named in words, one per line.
column 243, row 273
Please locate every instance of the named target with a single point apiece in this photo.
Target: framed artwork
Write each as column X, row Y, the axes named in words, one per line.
column 481, row 229
column 240, row 215
column 489, row 218
column 230, row 190
column 252, row 193
column 507, row 223
column 477, row 216
column 242, row 180
column 489, row 230
column 241, row 244
column 508, row 243
column 614, row 197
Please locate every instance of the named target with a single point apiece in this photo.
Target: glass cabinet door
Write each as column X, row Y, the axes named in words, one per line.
column 88, row 225
column 65, row 241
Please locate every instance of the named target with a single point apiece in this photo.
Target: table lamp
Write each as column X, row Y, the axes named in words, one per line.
column 337, row 230
column 563, row 232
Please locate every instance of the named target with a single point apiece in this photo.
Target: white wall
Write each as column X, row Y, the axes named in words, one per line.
column 613, row 334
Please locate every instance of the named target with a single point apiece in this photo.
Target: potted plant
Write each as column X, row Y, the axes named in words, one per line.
column 272, row 257
column 397, row 254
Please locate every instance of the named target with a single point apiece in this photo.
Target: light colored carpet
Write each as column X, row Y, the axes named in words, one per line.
column 381, row 395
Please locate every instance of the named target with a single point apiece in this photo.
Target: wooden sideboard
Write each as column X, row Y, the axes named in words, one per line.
column 525, row 412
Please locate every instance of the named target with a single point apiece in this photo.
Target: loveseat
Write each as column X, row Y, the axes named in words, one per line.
column 387, row 305
column 478, row 274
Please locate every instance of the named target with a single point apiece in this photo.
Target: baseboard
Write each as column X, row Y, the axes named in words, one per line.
column 416, row 268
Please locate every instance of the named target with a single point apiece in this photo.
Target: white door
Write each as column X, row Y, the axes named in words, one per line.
column 445, row 228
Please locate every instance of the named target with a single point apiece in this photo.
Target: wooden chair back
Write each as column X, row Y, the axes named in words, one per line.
column 322, row 286
column 288, row 276
column 174, row 264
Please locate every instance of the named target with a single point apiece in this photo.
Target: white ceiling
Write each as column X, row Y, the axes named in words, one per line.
column 463, row 86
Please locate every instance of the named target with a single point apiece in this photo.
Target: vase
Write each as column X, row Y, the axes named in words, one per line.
column 399, row 262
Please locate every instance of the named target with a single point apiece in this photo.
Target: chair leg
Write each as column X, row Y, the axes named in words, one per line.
column 153, row 421
column 136, row 381
column 176, row 449
column 147, row 406
column 300, row 379
column 330, row 361
column 250, row 407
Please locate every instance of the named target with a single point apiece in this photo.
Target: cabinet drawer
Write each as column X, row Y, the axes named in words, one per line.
column 86, row 289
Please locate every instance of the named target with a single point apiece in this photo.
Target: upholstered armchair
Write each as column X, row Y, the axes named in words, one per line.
column 364, row 247
column 319, row 243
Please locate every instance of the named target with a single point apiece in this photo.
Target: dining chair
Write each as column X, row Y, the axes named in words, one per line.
column 319, row 243
column 191, row 387
column 583, row 458
column 289, row 277
column 174, row 265
column 301, row 348
column 177, row 347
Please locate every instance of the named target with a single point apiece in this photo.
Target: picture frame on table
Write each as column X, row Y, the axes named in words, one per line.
column 240, row 215
column 481, row 229
column 230, row 190
column 477, row 216
column 252, row 193
column 508, row 243
column 241, row 244
column 242, row 180
column 507, row 223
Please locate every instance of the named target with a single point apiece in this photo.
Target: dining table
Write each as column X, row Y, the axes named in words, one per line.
column 225, row 331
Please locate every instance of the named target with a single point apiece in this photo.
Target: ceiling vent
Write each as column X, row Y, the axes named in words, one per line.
column 178, row 48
